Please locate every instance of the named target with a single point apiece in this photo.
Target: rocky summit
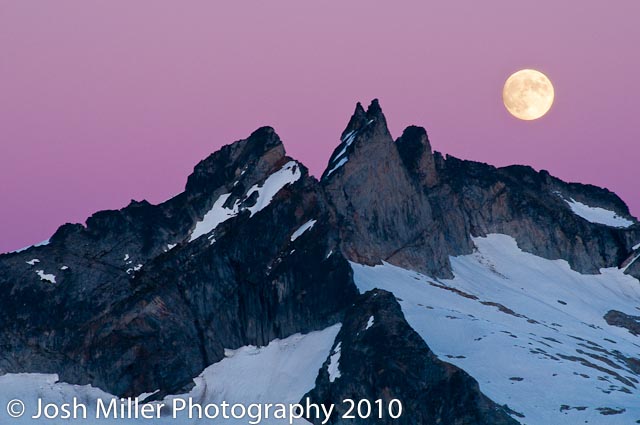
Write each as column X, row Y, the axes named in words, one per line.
column 469, row 293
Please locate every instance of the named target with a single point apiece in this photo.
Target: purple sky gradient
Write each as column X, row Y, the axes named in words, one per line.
column 103, row 101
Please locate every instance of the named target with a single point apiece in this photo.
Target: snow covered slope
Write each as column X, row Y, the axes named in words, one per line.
column 281, row 372
column 530, row 330
column 598, row 215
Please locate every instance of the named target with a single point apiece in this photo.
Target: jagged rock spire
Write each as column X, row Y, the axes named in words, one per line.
column 362, row 125
column 378, row 198
column 415, row 150
column 357, row 120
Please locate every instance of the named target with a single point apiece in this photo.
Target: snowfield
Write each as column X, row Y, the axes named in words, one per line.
column 530, row 330
column 281, row 372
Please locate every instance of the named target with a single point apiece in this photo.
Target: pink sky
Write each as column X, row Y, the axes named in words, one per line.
column 103, row 101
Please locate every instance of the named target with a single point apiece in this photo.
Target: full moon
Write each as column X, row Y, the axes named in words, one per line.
column 528, row 94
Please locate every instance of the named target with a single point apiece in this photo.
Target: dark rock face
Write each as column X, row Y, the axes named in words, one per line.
column 133, row 313
column 251, row 286
column 382, row 357
column 622, row 320
column 402, row 203
column 531, row 207
column 631, row 265
column 415, row 151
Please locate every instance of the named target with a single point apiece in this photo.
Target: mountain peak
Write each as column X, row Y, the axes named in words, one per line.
column 372, row 117
column 266, row 136
column 374, row 108
column 415, row 151
column 376, row 117
column 363, row 125
column 259, row 152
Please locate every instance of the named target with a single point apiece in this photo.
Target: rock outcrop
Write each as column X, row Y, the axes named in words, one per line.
column 378, row 356
column 402, row 203
column 382, row 207
column 138, row 302
column 623, row 320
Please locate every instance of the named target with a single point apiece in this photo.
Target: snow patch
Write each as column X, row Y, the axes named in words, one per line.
column 32, row 262
column 43, row 243
column 334, row 363
column 144, row 396
column 346, row 142
column 64, row 268
column 510, row 314
column 341, row 157
column 51, row 278
column 288, row 174
column 338, row 165
column 369, row 323
column 133, row 269
column 306, row 226
column 218, row 214
column 170, row 246
column 636, row 246
column 126, row 257
column 349, row 137
column 598, row 215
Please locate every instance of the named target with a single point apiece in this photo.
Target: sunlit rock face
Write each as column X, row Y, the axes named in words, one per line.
column 381, row 201
column 402, row 203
